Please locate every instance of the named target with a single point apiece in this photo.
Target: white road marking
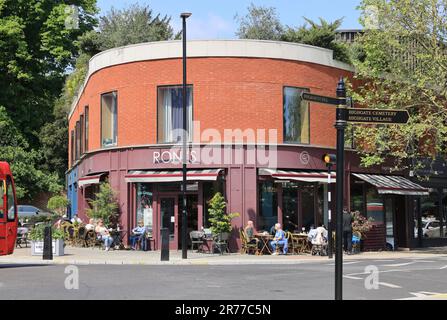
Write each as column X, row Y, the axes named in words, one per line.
column 389, row 285
column 398, row 264
column 344, row 263
column 353, row 278
column 444, row 267
column 384, row 260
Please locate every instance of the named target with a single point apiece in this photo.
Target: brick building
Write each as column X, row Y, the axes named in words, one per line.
column 251, row 137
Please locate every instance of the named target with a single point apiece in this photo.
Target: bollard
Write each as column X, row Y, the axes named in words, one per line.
column 164, row 244
column 47, row 244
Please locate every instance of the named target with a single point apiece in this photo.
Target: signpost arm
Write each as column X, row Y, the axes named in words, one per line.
column 340, row 125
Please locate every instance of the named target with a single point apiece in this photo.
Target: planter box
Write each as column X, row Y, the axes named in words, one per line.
column 37, row 247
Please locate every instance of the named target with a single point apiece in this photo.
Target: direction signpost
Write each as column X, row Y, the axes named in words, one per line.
column 345, row 115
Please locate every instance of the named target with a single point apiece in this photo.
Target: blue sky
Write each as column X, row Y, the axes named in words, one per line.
column 214, row 19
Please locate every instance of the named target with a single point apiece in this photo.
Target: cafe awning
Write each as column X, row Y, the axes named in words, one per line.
column 88, row 180
column 172, row 176
column 393, row 184
column 304, row 176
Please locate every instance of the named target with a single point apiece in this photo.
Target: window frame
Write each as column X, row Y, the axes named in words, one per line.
column 10, row 187
column 81, row 135
column 114, row 93
column 307, row 90
column 77, row 140
column 86, row 128
column 72, row 146
column 157, row 113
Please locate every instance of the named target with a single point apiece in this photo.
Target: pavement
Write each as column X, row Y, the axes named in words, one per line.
column 95, row 256
column 365, row 277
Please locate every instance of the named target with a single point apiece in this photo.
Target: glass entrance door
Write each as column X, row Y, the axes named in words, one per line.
column 168, row 208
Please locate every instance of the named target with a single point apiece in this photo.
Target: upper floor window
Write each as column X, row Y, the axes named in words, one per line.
column 81, row 135
column 78, row 140
column 109, row 122
column 170, row 114
column 86, row 129
column 295, row 116
column 72, row 146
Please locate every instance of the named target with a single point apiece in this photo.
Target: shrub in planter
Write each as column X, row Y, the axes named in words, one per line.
column 105, row 206
column 219, row 220
column 36, row 236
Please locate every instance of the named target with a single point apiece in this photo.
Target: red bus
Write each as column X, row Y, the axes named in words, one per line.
column 8, row 210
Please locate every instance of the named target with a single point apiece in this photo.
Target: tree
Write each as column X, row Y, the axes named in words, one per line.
column 37, row 47
column 58, row 204
column 320, row 35
column 105, row 205
column 259, row 23
column 219, row 220
column 405, row 67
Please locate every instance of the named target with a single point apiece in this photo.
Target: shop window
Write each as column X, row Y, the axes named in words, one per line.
column 109, row 123
column 144, row 205
column 210, row 188
column 431, row 215
column 357, row 200
column 295, row 116
column 374, row 205
column 308, row 206
column 290, row 206
column 170, row 114
column 268, row 205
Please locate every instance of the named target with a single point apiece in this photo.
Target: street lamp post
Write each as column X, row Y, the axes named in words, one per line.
column 184, row 16
column 340, row 125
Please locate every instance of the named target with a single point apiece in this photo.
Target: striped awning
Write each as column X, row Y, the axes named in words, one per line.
column 87, row 180
column 304, row 176
column 393, row 184
column 172, row 176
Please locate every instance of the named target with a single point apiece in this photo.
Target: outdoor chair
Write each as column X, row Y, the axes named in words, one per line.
column 196, row 238
column 221, row 242
column 247, row 245
column 22, row 239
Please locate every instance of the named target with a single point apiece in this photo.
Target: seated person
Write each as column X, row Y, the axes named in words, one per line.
column 90, row 225
column 21, row 230
column 321, row 236
column 312, row 234
column 104, row 234
column 250, row 231
column 279, row 239
column 76, row 219
column 137, row 234
column 273, row 230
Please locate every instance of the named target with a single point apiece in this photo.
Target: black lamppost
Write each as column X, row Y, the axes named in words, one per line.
column 340, row 125
column 184, row 16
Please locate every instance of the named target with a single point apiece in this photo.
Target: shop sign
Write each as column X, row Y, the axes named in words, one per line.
column 173, row 157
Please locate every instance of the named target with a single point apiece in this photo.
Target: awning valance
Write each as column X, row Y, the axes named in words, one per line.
column 305, row 176
column 87, row 180
column 393, row 184
column 172, row 176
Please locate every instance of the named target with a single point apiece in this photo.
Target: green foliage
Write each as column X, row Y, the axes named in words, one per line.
column 259, row 23
column 105, row 205
column 263, row 23
column 37, row 233
column 58, row 204
column 135, row 24
column 360, row 223
column 36, row 50
column 320, row 35
column 220, row 221
column 404, row 66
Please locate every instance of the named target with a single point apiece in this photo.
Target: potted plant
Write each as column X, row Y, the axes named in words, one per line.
column 36, row 236
column 220, row 221
column 105, row 206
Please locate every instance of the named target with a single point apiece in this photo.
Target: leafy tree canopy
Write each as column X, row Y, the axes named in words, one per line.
column 404, row 67
column 263, row 23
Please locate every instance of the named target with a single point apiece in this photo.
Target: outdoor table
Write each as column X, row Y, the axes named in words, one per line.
column 265, row 242
column 118, row 237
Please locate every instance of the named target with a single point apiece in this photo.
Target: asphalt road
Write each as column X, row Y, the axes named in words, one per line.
column 396, row 279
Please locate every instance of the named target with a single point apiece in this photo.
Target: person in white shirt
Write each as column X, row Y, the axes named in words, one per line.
column 76, row 219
